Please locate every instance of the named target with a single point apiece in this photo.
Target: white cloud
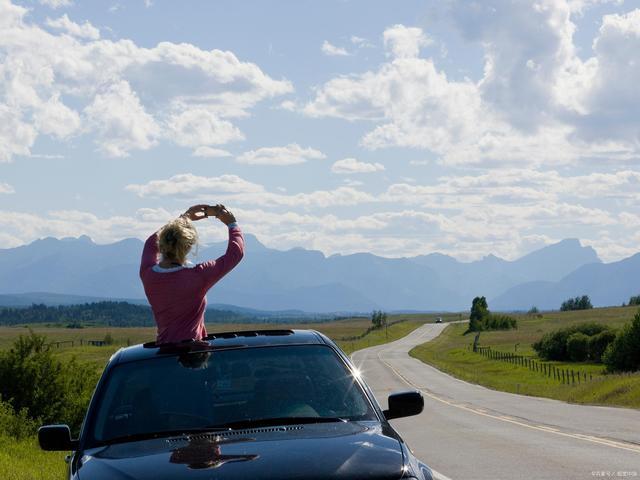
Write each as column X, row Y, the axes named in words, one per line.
column 200, row 127
column 351, row 165
column 86, row 30
column 332, row 50
column 6, row 188
column 16, row 136
column 56, row 3
column 121, row 121
column 288, row 155
column 47, row 79
column 404, row 42
column 190, row 185
column 210, row 152
column 361, row 42
column 537, row 103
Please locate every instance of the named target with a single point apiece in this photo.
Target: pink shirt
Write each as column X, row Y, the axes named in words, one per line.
column 177, row 296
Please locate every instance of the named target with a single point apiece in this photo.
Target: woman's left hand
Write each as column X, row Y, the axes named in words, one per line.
column 195, row 213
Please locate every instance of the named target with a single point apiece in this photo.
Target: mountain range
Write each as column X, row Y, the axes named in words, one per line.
column 307, row 280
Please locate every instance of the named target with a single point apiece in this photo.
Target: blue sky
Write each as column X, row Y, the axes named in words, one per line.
column 398, row 128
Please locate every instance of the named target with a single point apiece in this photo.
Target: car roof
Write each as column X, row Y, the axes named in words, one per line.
column 222, row 340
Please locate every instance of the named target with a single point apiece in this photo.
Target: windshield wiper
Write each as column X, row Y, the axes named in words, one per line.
column 165, row 433
column 270, row 422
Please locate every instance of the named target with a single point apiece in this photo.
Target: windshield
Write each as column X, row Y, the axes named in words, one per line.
column 227, row 388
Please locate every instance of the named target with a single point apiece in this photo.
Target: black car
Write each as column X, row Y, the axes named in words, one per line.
column 277, row 404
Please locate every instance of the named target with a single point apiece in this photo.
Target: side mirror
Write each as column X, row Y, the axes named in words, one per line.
column 56, row 438
column 404, row 404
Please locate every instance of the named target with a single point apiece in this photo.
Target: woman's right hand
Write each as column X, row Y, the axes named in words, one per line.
column 220, row 211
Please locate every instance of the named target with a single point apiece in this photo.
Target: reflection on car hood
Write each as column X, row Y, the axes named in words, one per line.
column 334, row 450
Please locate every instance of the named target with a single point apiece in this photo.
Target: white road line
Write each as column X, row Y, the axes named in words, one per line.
column 439, row 476
column 588, row 438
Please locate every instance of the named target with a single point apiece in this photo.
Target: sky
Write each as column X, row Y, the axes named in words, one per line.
column 398, row 128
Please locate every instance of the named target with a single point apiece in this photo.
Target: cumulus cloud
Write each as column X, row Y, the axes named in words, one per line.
column 57, row 84
column 288, row 155
column 86, row 30
column 332, row 50
column 121, row 121
column 191, row 185
column 536, row 103
column 351, row 165
column 404, row 42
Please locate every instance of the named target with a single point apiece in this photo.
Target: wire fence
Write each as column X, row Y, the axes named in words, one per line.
column 566, row 376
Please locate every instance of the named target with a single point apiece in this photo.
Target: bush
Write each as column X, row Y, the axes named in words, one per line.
column 578, row 303
column 17, row 425
column 32, row 380
column 499, row 322
column 623, row 354
column 577, row 347
column 598, row 344
column 553, row 345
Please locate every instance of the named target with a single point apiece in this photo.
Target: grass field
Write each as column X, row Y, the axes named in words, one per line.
column 23, row 460
column 450, row 353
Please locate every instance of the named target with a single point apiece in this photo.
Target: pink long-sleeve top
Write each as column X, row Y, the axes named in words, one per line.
column 178, row 295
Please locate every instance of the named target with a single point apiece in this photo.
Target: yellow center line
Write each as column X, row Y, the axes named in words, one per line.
column 588, row 438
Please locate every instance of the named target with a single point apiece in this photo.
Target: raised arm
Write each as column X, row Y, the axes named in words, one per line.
column 149, row 253
column 214, row 270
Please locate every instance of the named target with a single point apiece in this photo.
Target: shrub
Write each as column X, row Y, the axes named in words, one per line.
column 577, row 347
column 598, row 344
column 15, row 424
column 32, row 380
column 578, row 303
column 623, row 354
column 499, row 322
column 108, row 339
column 553, row 345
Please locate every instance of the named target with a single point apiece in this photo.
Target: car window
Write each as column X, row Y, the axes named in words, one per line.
column 226, row 386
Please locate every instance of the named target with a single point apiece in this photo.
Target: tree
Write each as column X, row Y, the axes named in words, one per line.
column 578, row 303
column 635, row 300
column 378, row 318
column 623, row 354
column 479, row 312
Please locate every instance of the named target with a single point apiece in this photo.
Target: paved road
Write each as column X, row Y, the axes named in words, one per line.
column 470, row 432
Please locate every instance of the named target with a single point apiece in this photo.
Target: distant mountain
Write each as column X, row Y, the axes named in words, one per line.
column 296, row 279
column 606, row 284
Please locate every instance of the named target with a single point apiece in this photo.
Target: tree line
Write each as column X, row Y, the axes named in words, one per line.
column 124, row 314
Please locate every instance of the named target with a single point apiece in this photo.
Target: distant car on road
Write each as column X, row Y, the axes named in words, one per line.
column 439, row 320
column 277, row 404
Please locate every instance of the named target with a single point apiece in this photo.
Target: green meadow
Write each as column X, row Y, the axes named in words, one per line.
column 451, row 352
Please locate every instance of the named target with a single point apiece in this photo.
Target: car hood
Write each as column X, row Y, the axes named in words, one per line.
column 349, row 450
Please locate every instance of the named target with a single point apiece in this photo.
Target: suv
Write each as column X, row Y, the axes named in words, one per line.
column 275, row 404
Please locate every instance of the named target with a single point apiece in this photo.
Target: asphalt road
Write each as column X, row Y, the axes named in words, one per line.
column 470, row 432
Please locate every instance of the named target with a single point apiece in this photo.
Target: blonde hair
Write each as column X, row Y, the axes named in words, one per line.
column 176, row 239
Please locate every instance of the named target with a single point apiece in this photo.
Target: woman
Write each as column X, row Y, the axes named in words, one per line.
column 177, row 293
